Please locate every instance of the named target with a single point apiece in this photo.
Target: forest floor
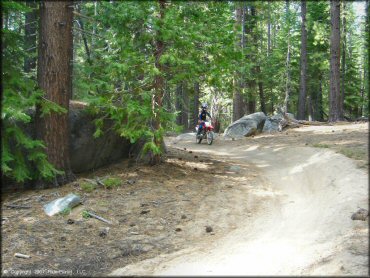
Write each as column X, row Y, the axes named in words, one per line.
column 263, row 205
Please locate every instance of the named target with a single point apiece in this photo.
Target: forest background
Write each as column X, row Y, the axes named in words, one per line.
column 147, row 65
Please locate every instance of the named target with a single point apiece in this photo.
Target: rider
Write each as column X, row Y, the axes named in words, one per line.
column 202, row 117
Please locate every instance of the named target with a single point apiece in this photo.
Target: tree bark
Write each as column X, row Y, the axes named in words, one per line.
column 343, row 63
column 238, row 103
column 257, row 68
column 252, row 84
column 54, row 78
column 335, row 108
column 287, row 64
column 303, row 75
column 30, row 30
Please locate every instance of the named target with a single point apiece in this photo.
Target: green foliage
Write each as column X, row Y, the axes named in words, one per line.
column 22, row 158
column 319, row 145
column 88, row 187
column 65, row 212
column 112, row 182
column 85, row 214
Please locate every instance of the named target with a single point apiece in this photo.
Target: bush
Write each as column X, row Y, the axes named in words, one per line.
column 88, row 187
column 112, row 182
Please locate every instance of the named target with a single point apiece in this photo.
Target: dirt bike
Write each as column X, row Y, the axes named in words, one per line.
column 206, row 133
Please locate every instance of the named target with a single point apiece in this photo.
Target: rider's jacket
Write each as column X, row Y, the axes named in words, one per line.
column 203, row 115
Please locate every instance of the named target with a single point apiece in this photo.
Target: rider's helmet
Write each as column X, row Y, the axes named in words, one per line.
column 204, row 106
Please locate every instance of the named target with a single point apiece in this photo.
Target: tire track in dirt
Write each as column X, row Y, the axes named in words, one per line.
column 302, row 225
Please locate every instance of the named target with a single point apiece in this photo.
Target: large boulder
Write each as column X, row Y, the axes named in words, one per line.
column 87, row 152
column 246, row 126
column 272, row 123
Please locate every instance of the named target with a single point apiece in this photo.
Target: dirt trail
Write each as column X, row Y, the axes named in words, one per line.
column 303, row 222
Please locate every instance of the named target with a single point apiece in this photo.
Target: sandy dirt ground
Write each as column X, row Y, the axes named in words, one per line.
column 278, row 204
column 301, row 224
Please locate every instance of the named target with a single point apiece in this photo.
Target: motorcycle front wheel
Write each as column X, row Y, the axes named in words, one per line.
column 210, row 137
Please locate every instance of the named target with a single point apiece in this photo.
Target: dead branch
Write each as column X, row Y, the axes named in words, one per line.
column 98, row 217
column 84, row 16
column 17, row 206
column 19, row 255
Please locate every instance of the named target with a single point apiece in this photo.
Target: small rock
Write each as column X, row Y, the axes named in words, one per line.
column 104, row 232
column 63, row 238
column 132, row 224
column 195, row 156
column 209, row 229
column 178, row 230
column 184, row 149
column 131, row 182
column 183, row 216
column 195, row 169
column 200, row 160
column 333, row 130
column 306, row 144
column 361, row 214
column 70, row 221
column 190, row 151
column 145, row 211
column 180, row 158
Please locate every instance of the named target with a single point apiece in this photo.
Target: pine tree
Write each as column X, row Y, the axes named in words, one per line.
column 54, row 78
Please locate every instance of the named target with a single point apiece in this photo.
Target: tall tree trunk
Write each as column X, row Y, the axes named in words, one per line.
column 303, row 75
column 335, row 108
column 365, row 108
column 269, row 29
column 158, row 84
column 87, row 50
column 196, row 103
column 287, row 64
column 30, row 30
column 238, row 103
column 54, row 78
column 343, row 63
column 258, row 68
column 252, row 84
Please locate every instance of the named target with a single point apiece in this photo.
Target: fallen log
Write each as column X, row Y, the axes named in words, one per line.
column 293, row 123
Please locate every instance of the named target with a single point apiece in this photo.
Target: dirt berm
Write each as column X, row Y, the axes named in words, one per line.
column 304, row 199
